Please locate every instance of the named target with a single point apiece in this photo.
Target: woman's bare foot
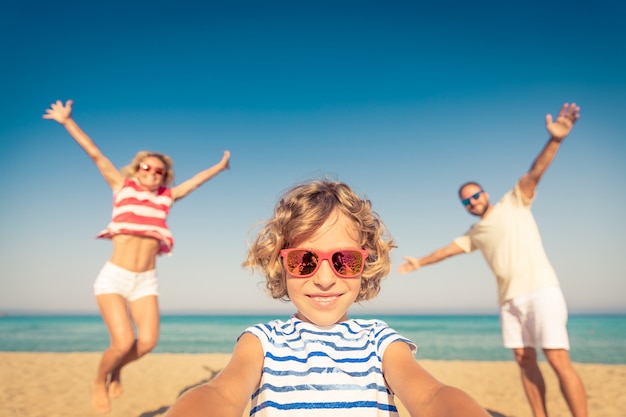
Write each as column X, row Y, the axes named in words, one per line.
column 115, row 389
column 100, row 397
column 115, row 384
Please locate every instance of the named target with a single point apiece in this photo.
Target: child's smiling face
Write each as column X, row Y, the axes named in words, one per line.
column 324, row 298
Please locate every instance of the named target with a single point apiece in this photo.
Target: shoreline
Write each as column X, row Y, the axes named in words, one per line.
column 59, row 384
column 594, row 339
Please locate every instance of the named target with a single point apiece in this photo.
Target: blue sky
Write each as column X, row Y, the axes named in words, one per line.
column 404, row 101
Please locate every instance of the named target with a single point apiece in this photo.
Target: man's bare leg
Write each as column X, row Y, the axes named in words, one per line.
column 532, row 380
column 571, row 385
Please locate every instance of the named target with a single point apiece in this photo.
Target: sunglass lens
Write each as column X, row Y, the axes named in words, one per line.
column 301, row 262
column 348, row 263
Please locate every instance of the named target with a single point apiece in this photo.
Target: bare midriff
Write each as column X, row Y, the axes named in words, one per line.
column 134, row 253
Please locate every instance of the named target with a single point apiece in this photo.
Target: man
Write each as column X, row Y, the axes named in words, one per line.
column 532, row 307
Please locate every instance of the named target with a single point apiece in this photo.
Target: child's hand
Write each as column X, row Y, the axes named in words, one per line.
column 59, row 112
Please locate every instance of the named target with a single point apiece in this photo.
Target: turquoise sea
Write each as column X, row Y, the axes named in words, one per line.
column 594, row 338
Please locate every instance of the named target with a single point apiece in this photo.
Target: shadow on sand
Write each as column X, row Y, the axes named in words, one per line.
column 160, row 411
column 163, row 409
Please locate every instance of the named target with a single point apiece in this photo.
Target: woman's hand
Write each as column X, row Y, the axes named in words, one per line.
column 59, row 112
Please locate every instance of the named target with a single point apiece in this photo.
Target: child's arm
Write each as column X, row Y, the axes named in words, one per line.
column 200, row 178
column 63, row 115
column 420, row 392
column 229, row 392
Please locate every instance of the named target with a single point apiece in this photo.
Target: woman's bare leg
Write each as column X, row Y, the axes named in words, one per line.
column 116, row 316
column 145, row 313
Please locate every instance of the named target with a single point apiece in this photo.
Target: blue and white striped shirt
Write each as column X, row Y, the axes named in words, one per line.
column 330, row 371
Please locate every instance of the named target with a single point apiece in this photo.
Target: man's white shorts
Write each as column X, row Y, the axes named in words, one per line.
column 113, row 279
column 535, row 319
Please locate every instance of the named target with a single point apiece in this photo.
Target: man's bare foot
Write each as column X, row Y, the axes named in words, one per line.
column 100, row 397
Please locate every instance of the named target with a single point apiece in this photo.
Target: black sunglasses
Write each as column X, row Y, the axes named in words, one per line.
column 467, row 200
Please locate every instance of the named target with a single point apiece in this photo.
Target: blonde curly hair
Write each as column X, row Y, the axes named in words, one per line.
column 299, row 214
column 131, row 169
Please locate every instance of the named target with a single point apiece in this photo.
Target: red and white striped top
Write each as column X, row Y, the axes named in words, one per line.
column 141, row 212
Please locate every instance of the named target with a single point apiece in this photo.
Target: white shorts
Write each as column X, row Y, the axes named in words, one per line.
column 113, row 279
column 535, row 319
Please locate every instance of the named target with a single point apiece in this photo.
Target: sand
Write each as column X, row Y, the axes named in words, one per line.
column 59, row 384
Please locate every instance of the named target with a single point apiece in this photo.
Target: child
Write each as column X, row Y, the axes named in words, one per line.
column 324, row 249
column 126, row 288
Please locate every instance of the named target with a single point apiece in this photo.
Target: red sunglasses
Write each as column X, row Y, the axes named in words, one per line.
column 303, row 263
column 148, row 168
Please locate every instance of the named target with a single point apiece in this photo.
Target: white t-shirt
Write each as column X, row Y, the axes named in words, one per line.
column 511, row 244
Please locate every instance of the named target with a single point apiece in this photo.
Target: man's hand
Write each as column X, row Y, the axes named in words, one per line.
column 560, row 128
column 409, row 264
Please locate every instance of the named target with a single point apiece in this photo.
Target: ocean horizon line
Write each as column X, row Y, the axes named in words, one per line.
column 282, row 313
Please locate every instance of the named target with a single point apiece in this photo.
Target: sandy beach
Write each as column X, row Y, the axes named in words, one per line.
column 59, row 384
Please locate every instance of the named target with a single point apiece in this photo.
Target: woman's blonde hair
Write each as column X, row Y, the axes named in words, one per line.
column 299, row 214
column 131, row 169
